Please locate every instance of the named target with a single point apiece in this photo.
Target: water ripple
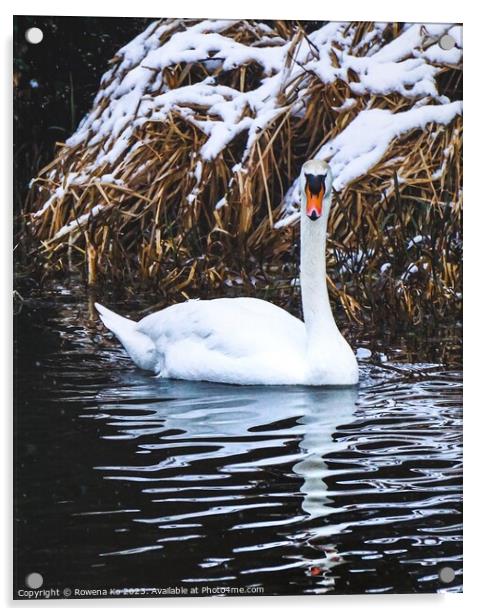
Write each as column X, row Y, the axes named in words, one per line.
column 301, row 490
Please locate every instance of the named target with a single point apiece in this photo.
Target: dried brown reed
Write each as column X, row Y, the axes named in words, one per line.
column 394, row 246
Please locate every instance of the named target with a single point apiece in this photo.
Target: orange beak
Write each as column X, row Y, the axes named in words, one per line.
column 314, row 203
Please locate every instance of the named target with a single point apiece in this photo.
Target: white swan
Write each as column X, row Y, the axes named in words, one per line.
column 249, row 341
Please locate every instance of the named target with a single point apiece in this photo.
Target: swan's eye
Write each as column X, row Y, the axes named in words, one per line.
column 314, row 190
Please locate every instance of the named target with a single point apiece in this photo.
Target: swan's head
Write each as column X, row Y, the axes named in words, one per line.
column 316, row 182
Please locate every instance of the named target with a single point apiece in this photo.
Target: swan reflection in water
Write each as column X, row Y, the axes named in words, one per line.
column 214, row 446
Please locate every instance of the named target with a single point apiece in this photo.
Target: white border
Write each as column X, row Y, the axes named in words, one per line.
column 379, row 10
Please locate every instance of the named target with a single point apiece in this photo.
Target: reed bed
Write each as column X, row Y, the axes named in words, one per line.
column 161, row 203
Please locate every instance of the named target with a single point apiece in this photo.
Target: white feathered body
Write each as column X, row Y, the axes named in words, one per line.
column 249, row 341
column 243, row 341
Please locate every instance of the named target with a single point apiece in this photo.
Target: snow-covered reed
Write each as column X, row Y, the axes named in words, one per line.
column 184, row 170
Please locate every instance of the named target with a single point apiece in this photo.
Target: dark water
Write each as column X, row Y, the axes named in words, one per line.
column 124, row 480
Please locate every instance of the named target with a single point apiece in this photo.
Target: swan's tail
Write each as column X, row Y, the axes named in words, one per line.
column 140, row 348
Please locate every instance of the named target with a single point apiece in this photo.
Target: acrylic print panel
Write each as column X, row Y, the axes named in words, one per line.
column 288, row 433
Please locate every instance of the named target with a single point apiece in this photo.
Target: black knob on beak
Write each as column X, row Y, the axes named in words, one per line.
column 315, row 183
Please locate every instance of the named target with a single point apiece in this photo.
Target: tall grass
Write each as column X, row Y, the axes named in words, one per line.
column 394, row 248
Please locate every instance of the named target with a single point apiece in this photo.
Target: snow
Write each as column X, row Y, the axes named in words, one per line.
column 411, row 269
column 289, row 219
column 355, row 260
column 437, row 55
column 416, row 240
column 365, row 140
column 348, row 103
column 76, row 224
column 133, row 101
column 109, row 178
column 197, row 175
column 135, row 91
column 73, row 179
column 221, row 203
column 139, row 94
column 363, row 353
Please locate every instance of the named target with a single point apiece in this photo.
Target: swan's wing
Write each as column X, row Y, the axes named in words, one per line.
column 237, row 340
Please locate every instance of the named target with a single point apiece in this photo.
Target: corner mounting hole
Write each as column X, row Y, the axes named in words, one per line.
column 446, row 575
column 34, row 36
column 34, row 580
column 446, row 42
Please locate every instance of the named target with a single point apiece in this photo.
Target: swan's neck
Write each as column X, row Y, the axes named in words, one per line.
column 319, row 322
